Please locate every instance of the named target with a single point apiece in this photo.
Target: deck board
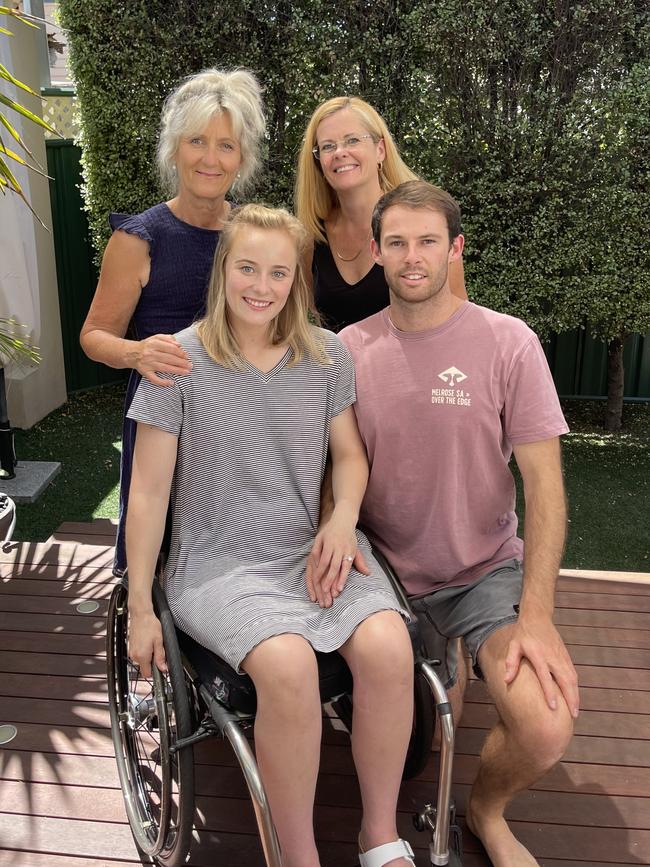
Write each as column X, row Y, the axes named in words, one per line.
column 60, row 803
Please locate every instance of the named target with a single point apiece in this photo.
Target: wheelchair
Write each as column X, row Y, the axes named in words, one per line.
column 156, row 722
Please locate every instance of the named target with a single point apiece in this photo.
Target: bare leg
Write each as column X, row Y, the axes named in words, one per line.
column 287, row 739
column 529, row 739
column 381, row 660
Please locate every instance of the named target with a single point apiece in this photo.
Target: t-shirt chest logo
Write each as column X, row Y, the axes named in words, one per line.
column 452, row 376
column 451, row 395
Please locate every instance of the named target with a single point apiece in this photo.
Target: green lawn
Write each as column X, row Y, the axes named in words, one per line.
column 608, row 486
column 607, row 476
column 84, row 435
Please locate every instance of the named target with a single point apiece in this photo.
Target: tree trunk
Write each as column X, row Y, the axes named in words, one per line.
column 615, row 380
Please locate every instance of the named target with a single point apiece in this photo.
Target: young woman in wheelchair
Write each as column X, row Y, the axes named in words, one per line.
column 240, row 446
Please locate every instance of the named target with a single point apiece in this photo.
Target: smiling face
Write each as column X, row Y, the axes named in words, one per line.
column 415, row 253
column 207, row 162
column 259, row 274
column 348, row 167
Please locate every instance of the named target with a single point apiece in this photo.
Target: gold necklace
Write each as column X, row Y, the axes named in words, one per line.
column 359, row 251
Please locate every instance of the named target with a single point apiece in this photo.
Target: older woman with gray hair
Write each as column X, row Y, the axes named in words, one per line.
column 156, row 266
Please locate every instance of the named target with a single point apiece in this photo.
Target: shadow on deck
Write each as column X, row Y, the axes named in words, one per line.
column 60, row 803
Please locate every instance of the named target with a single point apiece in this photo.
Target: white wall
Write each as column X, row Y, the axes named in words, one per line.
column 28, row 285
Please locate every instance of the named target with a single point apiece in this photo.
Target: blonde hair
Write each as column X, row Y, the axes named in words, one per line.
column 314, row 198
column 190, row 108
column 292, row 325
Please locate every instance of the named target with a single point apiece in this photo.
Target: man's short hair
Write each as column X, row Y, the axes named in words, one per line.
column 418, row 194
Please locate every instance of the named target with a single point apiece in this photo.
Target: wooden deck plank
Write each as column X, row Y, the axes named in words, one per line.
column 93, row 839
column 70, row 624
column 588, row 585
column 593, row 809
column 618, row 657
column 602, row 619
column 52, row 664
column 77, row 770
column 56, row 687
column 591, row 698
column 604, row 601
column 593, row 750
column 106, row 527
column 74, row 837
column 55, row 572
column 14, row 858
column 574, row 635
column 623, row 751
column 28, row 642
column 595, row 576
column 72, row 555
column 55, row 589
column 620, row 725
column 55, row 712
column 52, row 605
column 77, row 740
column 106, row 804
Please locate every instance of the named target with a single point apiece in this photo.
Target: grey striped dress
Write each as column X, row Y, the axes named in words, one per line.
column 246, row 498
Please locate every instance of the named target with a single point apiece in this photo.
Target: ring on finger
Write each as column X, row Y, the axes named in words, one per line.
column 349, row 558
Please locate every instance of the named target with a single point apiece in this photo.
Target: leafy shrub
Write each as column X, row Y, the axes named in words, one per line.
column 533, row 114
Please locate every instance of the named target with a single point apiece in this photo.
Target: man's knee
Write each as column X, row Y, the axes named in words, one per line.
column 542, row 732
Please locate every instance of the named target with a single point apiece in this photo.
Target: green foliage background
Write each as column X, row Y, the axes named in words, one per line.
column 534, row 114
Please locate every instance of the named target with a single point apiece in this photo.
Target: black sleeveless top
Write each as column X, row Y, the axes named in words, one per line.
column 340, row 303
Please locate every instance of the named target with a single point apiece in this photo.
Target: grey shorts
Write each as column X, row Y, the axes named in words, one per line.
column 471, row 612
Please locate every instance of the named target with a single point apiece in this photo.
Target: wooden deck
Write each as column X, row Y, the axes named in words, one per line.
column 60, row 804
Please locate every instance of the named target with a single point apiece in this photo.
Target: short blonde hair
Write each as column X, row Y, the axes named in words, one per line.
column 292, row 325
column 314, row 198
column 190, row 108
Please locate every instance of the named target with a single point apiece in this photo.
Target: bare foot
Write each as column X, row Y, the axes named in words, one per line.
column 503, row 848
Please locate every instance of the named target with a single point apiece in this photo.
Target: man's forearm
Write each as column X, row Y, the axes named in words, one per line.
column 349, row 480
column 544, row 539
column 545, row 530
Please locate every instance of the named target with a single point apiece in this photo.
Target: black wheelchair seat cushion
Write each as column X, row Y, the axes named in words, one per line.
column 237, row 692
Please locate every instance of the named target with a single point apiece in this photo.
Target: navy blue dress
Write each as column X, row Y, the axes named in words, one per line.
column 181, row 262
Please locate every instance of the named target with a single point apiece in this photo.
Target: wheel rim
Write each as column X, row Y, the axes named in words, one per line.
column 142, row 718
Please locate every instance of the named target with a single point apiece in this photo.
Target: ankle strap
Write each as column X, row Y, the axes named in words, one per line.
column 381, row 855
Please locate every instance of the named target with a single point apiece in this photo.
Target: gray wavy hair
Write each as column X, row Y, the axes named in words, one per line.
column 200, row 97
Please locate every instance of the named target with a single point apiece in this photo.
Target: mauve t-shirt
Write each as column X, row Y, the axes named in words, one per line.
column 439, row 411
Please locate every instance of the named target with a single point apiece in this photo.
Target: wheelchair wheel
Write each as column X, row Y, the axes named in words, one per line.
column 147, row 718
column 419, row 748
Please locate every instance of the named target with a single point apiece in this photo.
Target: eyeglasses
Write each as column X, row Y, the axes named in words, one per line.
column 349, row 143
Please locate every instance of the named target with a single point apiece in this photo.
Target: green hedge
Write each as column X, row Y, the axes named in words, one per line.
column 533, row 114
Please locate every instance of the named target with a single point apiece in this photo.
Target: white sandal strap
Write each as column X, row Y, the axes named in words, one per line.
column 381, row 855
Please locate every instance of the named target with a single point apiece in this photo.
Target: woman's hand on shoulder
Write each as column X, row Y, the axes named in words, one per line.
column 332, row 557
column 146, row 642
column 161, row 353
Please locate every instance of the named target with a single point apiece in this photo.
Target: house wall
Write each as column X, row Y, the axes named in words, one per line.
column 34, row 392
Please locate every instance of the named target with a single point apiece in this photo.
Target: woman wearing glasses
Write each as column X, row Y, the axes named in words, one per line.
column 347, row 162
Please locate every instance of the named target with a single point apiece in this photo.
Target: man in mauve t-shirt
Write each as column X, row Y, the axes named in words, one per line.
column 446, row 392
